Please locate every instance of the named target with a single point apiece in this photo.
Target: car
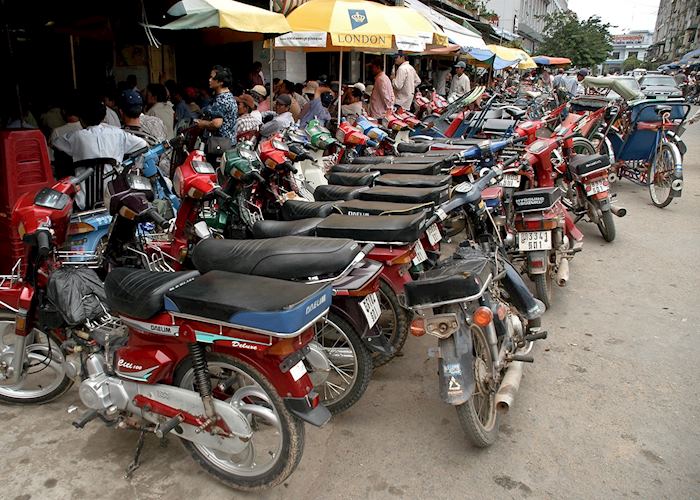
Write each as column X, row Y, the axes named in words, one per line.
column 659, row 86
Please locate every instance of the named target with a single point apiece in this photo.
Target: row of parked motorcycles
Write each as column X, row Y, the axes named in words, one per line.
column 233, row 299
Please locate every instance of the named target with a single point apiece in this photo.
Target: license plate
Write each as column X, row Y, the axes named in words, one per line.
column 297, row 371
column 596, row 187
column 534, row 240
column 370, row 306
column 433, row 233
column 421, row 256
column 510, row 181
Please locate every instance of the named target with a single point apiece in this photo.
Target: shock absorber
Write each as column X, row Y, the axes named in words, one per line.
column 202, row 378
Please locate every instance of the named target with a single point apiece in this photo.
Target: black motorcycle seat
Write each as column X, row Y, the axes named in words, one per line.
column 453, row 279
column 497, row 125
column 414, row 180
column 288, row 257
column 257, row 302
column 363, row 208
column 139, row 293
column 407, row 168
column 412, row 147
column 276, row 228
column 516, row 112
column 352, row 178
column 297, row 209
column 405, row 194
column 349, row 167
column 423, row 159
column 582, row 164
column 373, row 228
column 335, row 193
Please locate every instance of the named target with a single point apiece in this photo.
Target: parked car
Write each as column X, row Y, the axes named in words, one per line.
column 655, row 86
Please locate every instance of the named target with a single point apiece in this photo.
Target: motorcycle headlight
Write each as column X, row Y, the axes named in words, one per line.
column 464, row 187
column 203, row 167
column 177, row 182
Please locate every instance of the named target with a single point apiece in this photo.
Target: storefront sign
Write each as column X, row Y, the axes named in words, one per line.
column 360, row 40
column 302, row 39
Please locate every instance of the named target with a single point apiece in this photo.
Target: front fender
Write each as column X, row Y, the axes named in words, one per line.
column 456, row 367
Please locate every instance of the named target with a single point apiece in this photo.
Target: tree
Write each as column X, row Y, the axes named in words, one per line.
column 586, row 43
column 633, row 63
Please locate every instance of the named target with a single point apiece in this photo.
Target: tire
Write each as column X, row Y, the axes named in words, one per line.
column 583, row 146
column 606, row 226
column 336, row 330
column 37, row 352
column 481, row 434
column 398, row 332
column 661, row 176
column 291, row 429
column 602, row 146
column 543, row 288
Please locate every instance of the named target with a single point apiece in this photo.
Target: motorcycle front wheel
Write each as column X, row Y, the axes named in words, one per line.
column 478, row 416
column 44, row 377
column 277, row 445
column 661, row 176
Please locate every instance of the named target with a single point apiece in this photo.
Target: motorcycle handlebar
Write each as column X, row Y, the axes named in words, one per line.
column 371, row 143
column 510, row 161
column 259, row 177
column 518, row 140
column 156, row 218
column 81, row 177
column 367, row 248
column 220, row 193
column 43, row 242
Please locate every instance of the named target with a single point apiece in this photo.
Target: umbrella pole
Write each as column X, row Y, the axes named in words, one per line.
column 340, row 85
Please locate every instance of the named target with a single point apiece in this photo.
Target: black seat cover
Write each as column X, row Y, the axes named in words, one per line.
column 277, row 228
column 422, row 159
column 497, row 125
column 582, row 164
column 414, row 180
column 407, row 168
column 334, row 193
column 352, row 178
column 516, row 112
column 350, row 167
column 288, row 257
column 220, row 295
column 412, row 147
column 462, row 275
column 363, row 208
column 397, row 228
column 404, row 194
column 139, row 293
column 296, row 209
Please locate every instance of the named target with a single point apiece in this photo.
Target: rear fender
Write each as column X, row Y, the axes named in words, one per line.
column 537, row 262
column 348, row 308
column 456, row 367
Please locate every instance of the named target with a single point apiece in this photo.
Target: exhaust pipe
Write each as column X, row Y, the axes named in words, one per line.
column 619, row 211
column 563, row 272
column 509, row 386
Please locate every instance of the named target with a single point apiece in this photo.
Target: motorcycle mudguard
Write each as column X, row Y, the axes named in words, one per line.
column 519, row 294
column 301, row 408
column 456, row 367
column 372, row 338
column 537, row 262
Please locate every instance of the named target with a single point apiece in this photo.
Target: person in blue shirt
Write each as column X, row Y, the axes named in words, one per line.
column 318, row 108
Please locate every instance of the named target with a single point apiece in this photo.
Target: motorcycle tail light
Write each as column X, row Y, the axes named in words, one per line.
column 195, row 193
column 127, row 213
column 550, row 223
column 482, row 316
column 371, row 287
column 404, row 258
column 80, row 228
column 20, row 324
column 418, row 327
column 283, row 347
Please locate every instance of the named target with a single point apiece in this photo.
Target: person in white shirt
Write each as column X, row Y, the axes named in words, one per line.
column 404, row 80
column 281, row 117
column 442, row 74
column 353, row 108
column 460, row 81
column 111, row 117
column 157, row 100
column 97, row 140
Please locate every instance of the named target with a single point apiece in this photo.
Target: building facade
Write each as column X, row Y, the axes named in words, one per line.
column 524, row 17
column 633, row 44
column 676, row 30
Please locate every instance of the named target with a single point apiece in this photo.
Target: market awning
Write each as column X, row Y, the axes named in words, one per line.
column 690, row 55
column 456, row 33
column 502, row 57
column 551, row 61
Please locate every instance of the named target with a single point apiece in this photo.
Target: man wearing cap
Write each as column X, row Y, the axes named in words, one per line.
column 382, row 98
column 149, row 128
column 282, row 119
column 317, row 108
column 460, row 81
column 259, row 93
column 573, row 85
column 404, row 80
column 248, row 122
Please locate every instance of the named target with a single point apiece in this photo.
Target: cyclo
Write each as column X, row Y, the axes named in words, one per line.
column 642, row 138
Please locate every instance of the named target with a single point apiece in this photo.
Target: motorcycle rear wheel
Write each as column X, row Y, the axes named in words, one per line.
column 543, row 287
column 44, row 379
column 606, row 226
column 347, row 379
column 478, row 416
column 266, row 412
column 393, row 323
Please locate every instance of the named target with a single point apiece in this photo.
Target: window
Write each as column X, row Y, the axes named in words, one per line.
column 633, row 54
column 615, row 55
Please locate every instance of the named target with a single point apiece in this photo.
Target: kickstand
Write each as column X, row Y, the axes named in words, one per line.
column 136, row 463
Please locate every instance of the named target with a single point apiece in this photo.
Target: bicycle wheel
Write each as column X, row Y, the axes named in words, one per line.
column 660, row 176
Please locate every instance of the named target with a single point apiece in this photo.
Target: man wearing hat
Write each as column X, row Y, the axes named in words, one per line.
column 282, row 119
column 404, row 80
column 149, row 128
column 259, row 93
column 249, row 120
column 460, row 81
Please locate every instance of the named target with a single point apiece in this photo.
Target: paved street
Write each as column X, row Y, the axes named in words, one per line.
column 610, row 409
